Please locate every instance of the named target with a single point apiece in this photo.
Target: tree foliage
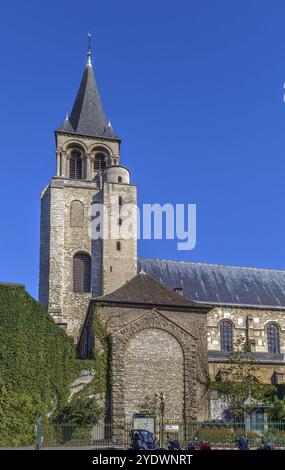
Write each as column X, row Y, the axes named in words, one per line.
column 239, row 385
column 277, row 412
column 84, row 408
column 150, row 404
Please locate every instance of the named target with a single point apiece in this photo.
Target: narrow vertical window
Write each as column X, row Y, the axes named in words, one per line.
column 273, row 339
column 81, row 273
column 119, row 179
column 75, row 165
column 119, row 246
column 226, row 335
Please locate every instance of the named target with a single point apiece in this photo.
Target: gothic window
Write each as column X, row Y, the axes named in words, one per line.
column 75, row 165
column 119, row 179
column 100, row 161
column 226, row 335
column 273, row 339
column 76, row 214
column 81, row 273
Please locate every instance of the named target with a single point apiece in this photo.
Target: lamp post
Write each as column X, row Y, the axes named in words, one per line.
column 161, row 407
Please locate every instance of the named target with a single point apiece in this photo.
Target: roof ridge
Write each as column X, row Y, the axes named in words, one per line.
column 214, row 264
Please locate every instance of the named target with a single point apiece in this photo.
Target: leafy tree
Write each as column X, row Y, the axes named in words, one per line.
column 277, row 412
column 82, row 411
column 150, row 404
column 239, row 385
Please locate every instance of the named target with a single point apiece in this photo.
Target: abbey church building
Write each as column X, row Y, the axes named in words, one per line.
column 170, row 323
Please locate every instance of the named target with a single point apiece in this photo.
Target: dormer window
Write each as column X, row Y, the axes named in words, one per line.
column 75, row 165
column 100, row 161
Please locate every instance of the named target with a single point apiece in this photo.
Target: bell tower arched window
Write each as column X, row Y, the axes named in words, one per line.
column 75, row 165
column 100, row 161
column 81, row 273
column 273, row 339
column 226, row 335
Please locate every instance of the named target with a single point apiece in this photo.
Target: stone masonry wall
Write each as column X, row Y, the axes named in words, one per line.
column 154, row 363
column 184, row 327
column 119, row 266
column 44, row 248
column 257, row 325
column 76, row 239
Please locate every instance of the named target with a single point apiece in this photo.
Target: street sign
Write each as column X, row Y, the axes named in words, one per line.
column 171, row 427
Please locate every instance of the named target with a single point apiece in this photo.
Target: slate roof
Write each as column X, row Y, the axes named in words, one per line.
column 87, row 116
column 144, row 289
column 218, row 284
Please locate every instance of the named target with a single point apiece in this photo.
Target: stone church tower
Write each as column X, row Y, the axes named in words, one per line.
column 75, row 264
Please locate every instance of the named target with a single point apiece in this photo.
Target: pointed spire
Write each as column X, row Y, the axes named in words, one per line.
column 87, row 116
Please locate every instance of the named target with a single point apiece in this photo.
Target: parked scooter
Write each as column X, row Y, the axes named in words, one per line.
column 194, row 445
column 174, row 445
column 266, row 446
column 205, row 445
column 242, row 443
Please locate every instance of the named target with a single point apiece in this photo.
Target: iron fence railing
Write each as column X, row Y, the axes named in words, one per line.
column 220, row 434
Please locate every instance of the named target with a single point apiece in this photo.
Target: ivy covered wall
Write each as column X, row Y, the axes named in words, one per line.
column 37, row 365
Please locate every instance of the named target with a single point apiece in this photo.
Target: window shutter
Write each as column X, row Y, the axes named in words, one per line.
column 100, row 162
column 75, row 165
column 81, row 273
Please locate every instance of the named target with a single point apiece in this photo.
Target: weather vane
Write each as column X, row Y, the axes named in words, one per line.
column 89, row 40
column 89, row 50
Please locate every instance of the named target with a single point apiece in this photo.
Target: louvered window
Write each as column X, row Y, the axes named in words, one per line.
column 99, row 162
column 226, row 335
column 273, row 339
column 81, row 273
column 75, row 165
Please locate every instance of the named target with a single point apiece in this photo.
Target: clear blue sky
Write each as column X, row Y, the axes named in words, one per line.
column 195, row 90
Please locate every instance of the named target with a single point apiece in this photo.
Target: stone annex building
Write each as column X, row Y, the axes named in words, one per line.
column 170, row 322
